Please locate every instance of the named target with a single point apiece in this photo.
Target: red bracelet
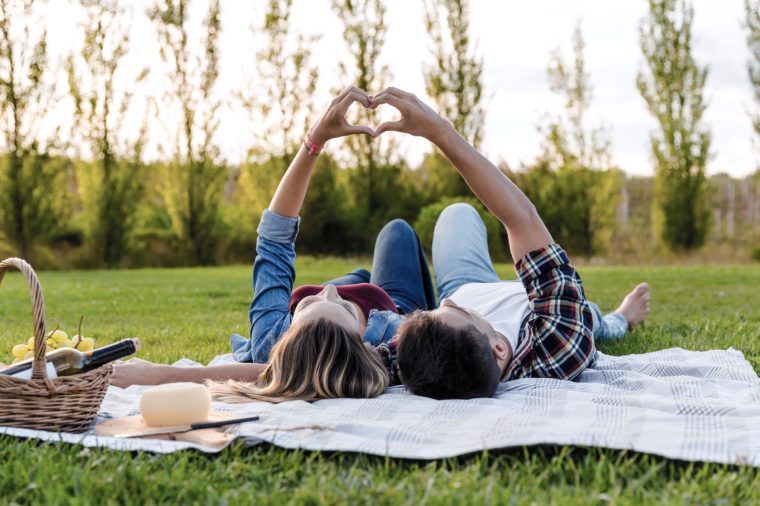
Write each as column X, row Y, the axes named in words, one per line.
column 313, row 148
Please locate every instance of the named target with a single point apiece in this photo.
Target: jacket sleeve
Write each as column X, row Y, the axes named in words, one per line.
column 273, row 277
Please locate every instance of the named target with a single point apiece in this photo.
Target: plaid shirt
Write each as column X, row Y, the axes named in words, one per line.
column 556, row 338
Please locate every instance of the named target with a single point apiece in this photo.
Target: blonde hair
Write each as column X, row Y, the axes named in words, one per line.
column 313, row 360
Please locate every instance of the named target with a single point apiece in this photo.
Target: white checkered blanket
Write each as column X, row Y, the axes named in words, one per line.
column 694, row 406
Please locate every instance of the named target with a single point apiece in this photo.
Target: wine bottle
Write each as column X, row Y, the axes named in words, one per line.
column 70, row 361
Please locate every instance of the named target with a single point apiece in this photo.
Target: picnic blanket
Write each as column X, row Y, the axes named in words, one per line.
column 694, row 406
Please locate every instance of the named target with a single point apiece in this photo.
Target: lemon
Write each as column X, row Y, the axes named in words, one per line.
column 30, row 343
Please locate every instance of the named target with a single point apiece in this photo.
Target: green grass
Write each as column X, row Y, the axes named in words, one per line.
column 191, row 312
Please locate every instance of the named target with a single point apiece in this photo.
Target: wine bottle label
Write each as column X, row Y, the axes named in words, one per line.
column 27, row 374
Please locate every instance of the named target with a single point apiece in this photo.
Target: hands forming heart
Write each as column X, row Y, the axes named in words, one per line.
column 416, row 117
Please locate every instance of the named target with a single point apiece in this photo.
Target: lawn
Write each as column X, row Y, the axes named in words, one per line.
column 191, row 312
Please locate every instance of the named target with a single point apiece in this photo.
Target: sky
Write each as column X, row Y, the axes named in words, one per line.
column 515, row 39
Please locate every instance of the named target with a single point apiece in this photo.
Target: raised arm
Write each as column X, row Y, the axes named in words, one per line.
column 501, row 196
column 274, row 267
column 291, row 191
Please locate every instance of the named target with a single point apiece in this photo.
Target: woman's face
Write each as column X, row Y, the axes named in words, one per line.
column 329, row 304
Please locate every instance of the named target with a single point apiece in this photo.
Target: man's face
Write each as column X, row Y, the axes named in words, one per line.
column 451, row 314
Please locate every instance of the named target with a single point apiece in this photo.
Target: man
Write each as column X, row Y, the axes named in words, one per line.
column 487, row 330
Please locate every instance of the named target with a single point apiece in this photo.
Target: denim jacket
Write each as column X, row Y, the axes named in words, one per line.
column 273, row 276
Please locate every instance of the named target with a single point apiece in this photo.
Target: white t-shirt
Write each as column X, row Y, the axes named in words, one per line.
column 503, row 304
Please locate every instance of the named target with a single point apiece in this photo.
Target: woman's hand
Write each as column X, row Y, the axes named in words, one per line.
column 136, row 371
column 141, row 372
column 333, row 123
column 416, row 117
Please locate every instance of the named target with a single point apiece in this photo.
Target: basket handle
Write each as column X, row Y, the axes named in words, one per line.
column 39, row 369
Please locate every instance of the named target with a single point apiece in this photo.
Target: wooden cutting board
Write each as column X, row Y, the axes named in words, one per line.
column 215, row 437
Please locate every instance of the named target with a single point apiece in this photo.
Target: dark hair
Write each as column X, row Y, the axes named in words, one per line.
column 444, row 362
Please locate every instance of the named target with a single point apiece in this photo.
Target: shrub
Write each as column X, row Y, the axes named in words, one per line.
column 497, row 244
column 756, row 254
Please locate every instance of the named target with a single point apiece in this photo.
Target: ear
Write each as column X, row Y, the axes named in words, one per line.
column 500, row 350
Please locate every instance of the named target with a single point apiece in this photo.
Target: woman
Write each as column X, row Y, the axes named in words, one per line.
column 314, row 342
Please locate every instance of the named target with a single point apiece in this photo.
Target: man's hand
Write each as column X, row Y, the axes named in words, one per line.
column 416, row 117
column 525, row 230
column 136, row 371
column 333, row 122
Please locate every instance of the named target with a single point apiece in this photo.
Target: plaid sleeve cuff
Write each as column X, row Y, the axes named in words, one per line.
column 540, row 261
column 389, row 358
column 278, row 228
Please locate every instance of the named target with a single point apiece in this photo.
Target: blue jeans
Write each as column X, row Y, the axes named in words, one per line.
column 399, row 267
column 460, row 256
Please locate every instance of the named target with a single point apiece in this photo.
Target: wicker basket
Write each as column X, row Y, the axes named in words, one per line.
column 67, row 403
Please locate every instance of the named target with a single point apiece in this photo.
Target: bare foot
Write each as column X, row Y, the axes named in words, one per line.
column 635, row 306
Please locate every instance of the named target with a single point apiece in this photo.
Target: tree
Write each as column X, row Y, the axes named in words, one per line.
column 455, row 81
column 455, row 85
column 110, row 186
column 573, row 184
column 364, row 34
column 31, row 187
column 193, row 184
column 672, row 87
column 286, row 76
column 424, row 225
column 327, row 225
column 752, row 13
column 569, row 141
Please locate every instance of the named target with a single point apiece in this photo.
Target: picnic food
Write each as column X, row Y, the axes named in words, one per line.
column 175, row 404
column 68, row 361
column 19, row 351
column 42, row 400
column 83, row 343
column 55, row 339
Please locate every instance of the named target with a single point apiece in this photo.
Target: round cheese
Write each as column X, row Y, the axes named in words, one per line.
column 175, row 404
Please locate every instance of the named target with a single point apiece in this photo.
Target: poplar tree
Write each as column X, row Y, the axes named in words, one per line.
column 672, row 86
column 454, row 82
column 364, row 30
column 569, row 141
column 31, row 186
column 110, row 186
column 194, row 180
column 573, row 183
column 287, row 79
column 280, row 102
column 752, row 13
